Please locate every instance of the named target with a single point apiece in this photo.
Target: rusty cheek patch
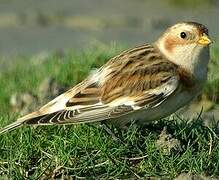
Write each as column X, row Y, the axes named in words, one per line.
column 172, row 42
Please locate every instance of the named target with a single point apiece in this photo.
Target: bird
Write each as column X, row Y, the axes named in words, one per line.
column 142, row 84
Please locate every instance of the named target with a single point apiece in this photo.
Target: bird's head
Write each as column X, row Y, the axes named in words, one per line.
column 186, row 44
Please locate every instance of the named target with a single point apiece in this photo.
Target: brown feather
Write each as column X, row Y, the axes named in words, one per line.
column 136, row 75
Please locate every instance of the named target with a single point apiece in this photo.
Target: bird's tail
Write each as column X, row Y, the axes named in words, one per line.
column 11, row 127
column 20, row 122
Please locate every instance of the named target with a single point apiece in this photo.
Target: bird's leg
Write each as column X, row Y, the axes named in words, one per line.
column 111, row 133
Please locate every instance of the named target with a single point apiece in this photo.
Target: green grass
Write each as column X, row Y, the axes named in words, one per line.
column 87, row 150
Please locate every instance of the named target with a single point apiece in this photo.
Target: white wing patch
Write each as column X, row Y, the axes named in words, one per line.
column 166, row 89
column 56, row 104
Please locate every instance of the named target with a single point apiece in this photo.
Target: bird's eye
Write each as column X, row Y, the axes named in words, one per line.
column 183, row 35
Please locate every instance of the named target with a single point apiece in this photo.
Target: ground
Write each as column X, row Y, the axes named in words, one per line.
column 165, row 148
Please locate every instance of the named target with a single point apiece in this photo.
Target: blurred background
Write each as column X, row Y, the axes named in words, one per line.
column 48, row 46
column 29, row 27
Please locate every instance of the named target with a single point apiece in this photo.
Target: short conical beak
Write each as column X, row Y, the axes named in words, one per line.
column 204, row 40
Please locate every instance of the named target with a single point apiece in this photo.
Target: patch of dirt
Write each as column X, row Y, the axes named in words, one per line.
column 190, row 176
column 26, row 102
column 23, row 102
column 167, row 143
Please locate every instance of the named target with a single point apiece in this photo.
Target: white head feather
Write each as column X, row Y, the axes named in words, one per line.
column 186, row 52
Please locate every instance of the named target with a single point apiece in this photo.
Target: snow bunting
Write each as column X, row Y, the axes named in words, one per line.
column 145, row 83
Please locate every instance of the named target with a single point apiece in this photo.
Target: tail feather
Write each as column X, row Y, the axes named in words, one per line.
column 11, row 127
column 20, row 122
